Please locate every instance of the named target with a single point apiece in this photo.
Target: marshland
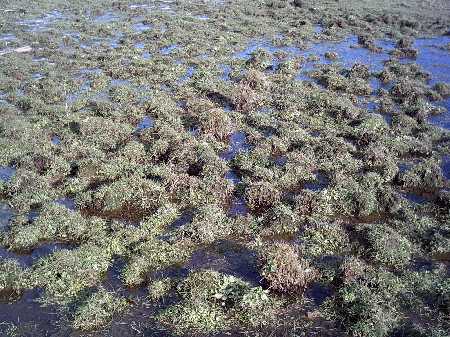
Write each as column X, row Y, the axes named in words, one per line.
column 225, row 168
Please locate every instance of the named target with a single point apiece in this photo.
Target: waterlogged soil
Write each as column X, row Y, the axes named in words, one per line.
column 224, row 168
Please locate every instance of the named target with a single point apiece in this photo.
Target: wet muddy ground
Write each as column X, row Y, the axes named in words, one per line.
column 225, row 168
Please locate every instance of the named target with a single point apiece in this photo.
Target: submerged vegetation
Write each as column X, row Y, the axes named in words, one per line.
column 250, row 168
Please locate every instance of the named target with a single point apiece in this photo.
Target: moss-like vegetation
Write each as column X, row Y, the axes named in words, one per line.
column 285, row 270
column 98, row 310
column 207, row 167
column 212, row 302
column 12, row 278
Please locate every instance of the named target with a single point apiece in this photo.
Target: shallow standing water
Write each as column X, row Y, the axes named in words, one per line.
column 122, row 148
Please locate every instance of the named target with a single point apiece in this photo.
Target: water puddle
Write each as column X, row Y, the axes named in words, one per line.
column 146, row 55
column 187, row 76
column 445, row 165
column 404, row 166
column 141, row 27
column 238, row 144
column 202, row 17
column 6, row 216
column 30, row 318
column 116, row 41
column 268, row 46
column 318, row 29
column 42, row 23
column 226, row 71
column 119, row 83
column 185, row 218
column 37, row 76
column 417, row 199
column 56, row 140
column 435, row 59
column 113, row 282
column 48, row 249
column 91, row 71
column 318, row 293
column 319, row 184
column 168, row 49
column 6, row 173
column 238, row 207
column 8, row 37
column 139, row 6
column 139, row 45
column 27, row 259
column 33, row 214
column 233, row 176
column 106, row 18
column 348, row 51
column 280, row 161
column 68, row 203
column 146, row 123
column 229, row 258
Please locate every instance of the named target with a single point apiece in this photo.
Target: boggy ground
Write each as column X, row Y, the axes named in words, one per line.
column 263, row 168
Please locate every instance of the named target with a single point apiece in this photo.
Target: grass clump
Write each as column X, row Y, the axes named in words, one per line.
column 386, row 246
column 217, row 123
column 212, row 302
column 248, row 94
column 150, row 256
column 105, row 133
column 66, row 273
column 321, row 239
column 261, row 195
column 364, row 196
column 98, row 310
column 366, row 302
column 56, row 223
column 426, row 176
column 12, row 277
column 159, row 289
column 128, row 197
column 280, row 219
column 209, row 224
column 284, row 270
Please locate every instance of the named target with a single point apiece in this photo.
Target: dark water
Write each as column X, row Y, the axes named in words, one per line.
column 238, row 207
column 446, row 166
column 27, row 259
column 24, row 313
column 6, row 173
column 69, row 203
column 185, row 218
column 432, row 57
column 6, row 215
column 415, row 198
column 229, row 258
column 146, row 123
column 238, row 144
column 168, row 49
column 233, row 176
column 280, row 161
column 319, row 184
column 318, row 293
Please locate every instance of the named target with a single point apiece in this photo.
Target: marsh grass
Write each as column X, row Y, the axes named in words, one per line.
column 256, row 125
